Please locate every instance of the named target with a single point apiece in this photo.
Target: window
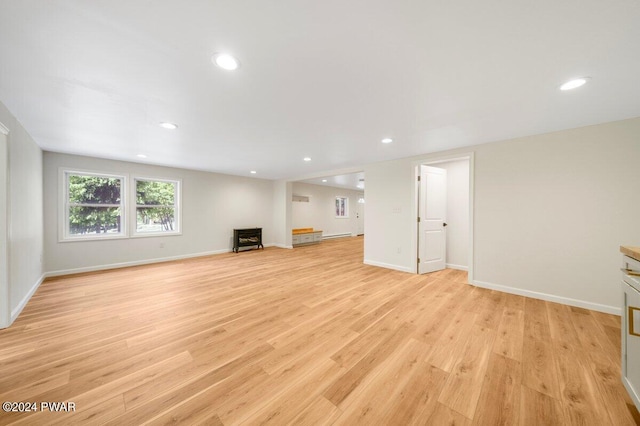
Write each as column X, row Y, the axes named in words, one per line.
column 97, row 205
column 93, row 206
column 342, row 207
column 157, row 205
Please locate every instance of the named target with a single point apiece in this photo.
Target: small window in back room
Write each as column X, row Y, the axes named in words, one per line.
column 157, row 206
column 342, row 207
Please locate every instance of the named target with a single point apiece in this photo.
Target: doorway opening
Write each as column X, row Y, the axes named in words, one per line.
column 444, row 205
column 334, row 204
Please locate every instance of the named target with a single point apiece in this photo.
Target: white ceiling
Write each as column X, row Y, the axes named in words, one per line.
column 325, row 79
column 353, row 181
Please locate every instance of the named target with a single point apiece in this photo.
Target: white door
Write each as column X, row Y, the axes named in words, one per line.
column 360, row 216
column 432, row 212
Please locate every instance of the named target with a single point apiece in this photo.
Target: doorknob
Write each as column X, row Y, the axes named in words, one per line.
column 444, row 223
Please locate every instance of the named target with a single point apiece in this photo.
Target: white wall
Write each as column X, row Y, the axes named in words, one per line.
column 550, row 213
column 457, row 213
column 319, row 213
column 390, row 215
column 212, row 206
column 25, row 214
column 282, row 213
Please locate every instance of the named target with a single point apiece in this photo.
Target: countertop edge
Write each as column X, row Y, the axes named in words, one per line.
column 633, row 252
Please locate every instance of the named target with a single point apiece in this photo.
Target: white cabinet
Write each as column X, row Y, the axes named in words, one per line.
column 306, row 236
column 631, row 330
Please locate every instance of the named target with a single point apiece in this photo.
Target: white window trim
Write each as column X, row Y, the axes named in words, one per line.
column 133, row 211
column 63, row 223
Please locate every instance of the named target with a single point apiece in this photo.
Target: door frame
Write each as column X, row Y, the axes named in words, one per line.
column 5, row 304
column 434, row 161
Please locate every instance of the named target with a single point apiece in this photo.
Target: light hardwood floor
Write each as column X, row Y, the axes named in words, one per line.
column 307, row 336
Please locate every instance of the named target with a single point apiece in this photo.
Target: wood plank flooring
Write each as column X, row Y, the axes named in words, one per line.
column 309, row 336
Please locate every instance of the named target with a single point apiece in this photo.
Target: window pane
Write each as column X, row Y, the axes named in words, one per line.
column 85, row 189
column 155, row 219
column 94, row 220
column 342, row 207
column 153, row 193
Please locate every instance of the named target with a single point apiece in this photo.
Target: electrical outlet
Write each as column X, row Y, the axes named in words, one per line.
column 398, row 250
column 161, row 245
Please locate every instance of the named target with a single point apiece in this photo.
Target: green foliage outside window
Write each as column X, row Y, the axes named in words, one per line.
column 94, row 204
column 155, row 206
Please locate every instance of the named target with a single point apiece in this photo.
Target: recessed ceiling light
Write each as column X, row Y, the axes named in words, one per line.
column 225, row 61
column 141, row 156
column 168, row 125
column 324, row 180
column 307, row 158
column 253, row 172
column 575, row 83
column 387, row 140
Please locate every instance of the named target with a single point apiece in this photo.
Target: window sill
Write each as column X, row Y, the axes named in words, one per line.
column 92, row 238
column 118, row 237
column 157, row 234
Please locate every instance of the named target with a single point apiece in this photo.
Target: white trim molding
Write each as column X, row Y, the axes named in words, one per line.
column 388, row 266
column 434, row 160
column 458, row 267
column 282, row 246
column 142, row 262
column 344, row 234
column 5, row 304
column 18, row 309
column 549, row 297
column 133, row 263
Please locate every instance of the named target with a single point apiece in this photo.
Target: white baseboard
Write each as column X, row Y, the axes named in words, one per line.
column 458, row 267
column 283, row 246
column 328, row 237
column 550, row 298
column 141, row 262
column 128, row 264
column 388, row 266
column 18, row 309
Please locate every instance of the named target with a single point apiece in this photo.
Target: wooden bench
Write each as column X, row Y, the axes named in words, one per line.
column 303, row 236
